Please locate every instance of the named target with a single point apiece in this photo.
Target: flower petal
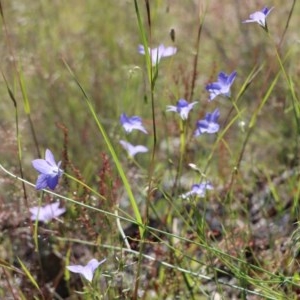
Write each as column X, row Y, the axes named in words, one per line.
column 52, row 181
column 141, row 49
column 87, row 273
column 41, row 166
column 75, row 268
column 171, row 108
column 50, row 158
column 169, row 51
column 41, row 182
column 94, row 264
column 139, row 149
column 231, row 77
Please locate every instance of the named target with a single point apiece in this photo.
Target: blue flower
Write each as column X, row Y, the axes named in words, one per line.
column 198, row 190
column 131, row 123
column 157, row 53
column 259, row 17
column 88, row 270
column 182, row 108
column 46, row 213
column 49, row 171
column 209, row 124
column 222, row 86
column 133, row 150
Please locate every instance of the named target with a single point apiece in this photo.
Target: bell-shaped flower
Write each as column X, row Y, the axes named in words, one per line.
column 259, row 17
column 46, row 213
column 209, row 124
column 133, row 150
column 131, row 123
column 157, row 53
column 198, row 190
column 182, row 108
column 88, row 270
column 222, row 86
column 49, row 170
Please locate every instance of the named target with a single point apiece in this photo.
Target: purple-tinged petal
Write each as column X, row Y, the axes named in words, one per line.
column 133, row 150
column 49, row 171
column 88, row 270
column 50, row 158
column 222, row 86
column 182, row 108
column 141, row 49
column 181, row 103
column 41, row 165
column 52, row 181
column 46, row 213
column 135, row 120
column 198, row 190
column 208, row 124
column 266, row 10
column 213, row 86
column 157, row 53
column 231, row 77
column 131, row 123
column 93, row 264
column 41, row 182
column 53, row 206
column 123, row 118
column 140, row 149
column 169, row 51
column 215, row 115
column 75, row 268
column 222, row 78
column 259, row 17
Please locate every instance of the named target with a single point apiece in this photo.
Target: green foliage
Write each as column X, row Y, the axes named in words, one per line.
column 69, row 69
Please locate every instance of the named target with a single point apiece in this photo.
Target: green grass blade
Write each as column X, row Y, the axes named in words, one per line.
column 144, row 41
column 24, row 93
column 28, row 274
column 264, row 100
column 122, row 174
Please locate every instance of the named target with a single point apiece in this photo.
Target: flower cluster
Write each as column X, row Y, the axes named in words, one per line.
column 49, row 174
column 50, row 171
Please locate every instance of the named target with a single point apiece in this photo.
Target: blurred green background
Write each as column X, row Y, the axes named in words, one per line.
column 99, row 40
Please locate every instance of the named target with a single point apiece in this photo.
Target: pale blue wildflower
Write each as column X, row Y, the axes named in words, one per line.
column 131, row 123
column 50, row 172
column 133, row 150
column 158, row 53
column 209, row 124
column 198, row 190
column 46, row 213
column 259, row 17
column 182, row 108
column 222, row 86
column 88, row 270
